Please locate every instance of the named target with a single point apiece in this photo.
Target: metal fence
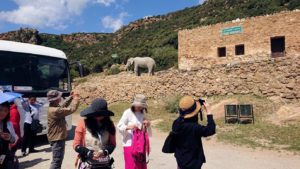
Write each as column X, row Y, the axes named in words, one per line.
column 241, row 113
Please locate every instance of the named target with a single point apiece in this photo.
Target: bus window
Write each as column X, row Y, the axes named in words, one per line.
column 41, row 73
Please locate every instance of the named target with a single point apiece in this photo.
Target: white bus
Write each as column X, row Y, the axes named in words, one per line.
column 34, row 70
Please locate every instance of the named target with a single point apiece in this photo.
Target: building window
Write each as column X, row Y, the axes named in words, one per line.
column 240, row 49
column 222, row 52
column 278, row 46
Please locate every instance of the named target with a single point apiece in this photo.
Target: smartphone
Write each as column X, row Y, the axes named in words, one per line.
column 2, row 158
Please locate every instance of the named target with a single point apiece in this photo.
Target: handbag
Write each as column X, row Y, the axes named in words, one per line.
column 36, row 126
column 141, row 147
column 103, row 162
column 170, row 143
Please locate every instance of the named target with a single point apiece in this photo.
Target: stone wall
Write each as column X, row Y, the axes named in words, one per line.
column 198, row 47
column 278, row 78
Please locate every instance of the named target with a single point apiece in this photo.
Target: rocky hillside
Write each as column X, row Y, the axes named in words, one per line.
column 273, row 79
column 153, row 36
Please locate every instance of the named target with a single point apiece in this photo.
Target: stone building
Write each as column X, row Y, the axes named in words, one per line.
column 241, row 40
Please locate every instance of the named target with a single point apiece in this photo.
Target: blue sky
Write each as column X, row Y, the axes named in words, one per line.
column 68, row 16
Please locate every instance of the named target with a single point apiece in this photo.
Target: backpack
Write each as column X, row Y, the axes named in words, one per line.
column 140, row 145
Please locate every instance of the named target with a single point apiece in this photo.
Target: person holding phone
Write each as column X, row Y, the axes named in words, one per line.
column 133, row 119
column 95, row 136
column 188, row 133
column 7, row 136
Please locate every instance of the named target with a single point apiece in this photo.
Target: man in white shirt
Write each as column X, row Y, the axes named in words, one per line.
column 29, row 135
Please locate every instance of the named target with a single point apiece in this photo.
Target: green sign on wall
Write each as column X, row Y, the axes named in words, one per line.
column 232, row 30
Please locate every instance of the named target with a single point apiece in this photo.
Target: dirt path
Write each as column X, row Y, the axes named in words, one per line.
column 218, row 156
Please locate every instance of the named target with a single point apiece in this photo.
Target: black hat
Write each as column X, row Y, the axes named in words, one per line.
column 97, row 108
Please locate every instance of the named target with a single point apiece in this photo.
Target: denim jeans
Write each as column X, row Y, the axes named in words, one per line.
column 58, row 152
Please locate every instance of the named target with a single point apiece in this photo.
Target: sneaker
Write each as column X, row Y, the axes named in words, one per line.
column 24, row 154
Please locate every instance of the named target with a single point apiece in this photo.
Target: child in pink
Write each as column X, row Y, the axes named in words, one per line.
column 133, row 118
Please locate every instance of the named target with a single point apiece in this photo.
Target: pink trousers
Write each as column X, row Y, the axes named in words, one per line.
column 129, row 161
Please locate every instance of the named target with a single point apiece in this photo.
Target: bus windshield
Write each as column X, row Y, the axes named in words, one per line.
column 31, row 73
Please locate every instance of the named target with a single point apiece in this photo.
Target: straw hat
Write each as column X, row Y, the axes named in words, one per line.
column 189, row 107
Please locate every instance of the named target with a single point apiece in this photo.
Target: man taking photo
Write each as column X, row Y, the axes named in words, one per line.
column 57, row 131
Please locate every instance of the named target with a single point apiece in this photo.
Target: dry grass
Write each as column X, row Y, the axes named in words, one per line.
column 262, row 133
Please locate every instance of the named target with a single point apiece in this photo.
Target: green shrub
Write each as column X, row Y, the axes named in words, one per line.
column 165, row 57
column 74, row 73
column 113, row 70
column 171, row 103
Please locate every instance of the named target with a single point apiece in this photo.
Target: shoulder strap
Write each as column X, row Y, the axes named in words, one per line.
column 30, row 111
column 145, row 145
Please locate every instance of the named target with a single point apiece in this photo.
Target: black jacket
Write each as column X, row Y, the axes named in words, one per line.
column 189, row 151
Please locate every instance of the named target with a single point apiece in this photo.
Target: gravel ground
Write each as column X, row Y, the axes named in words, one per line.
column 218, row 156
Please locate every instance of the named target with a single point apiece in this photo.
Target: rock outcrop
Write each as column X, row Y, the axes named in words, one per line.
column 287, row 114
column 25, row 35
column 133, row 26
column 84, row 38
column 28, row 35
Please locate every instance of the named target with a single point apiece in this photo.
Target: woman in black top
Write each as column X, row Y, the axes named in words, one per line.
column 189, row 150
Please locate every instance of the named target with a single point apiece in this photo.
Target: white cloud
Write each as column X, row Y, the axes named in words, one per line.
column 105, row 2
column 112, row 23
column 76, row 6
column 201, row 1
column 44, row 13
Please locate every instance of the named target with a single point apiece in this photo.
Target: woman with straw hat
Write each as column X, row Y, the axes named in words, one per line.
column 134, row 119
column 188, row 133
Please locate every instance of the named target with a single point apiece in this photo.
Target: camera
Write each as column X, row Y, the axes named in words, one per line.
column 201, row 101
column 84, row 152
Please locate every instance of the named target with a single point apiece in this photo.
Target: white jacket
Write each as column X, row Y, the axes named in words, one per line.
column 130, row 118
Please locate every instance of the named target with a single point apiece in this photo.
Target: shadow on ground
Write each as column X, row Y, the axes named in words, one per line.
column 43, row 140
column 31, row 163
column 42, row 145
